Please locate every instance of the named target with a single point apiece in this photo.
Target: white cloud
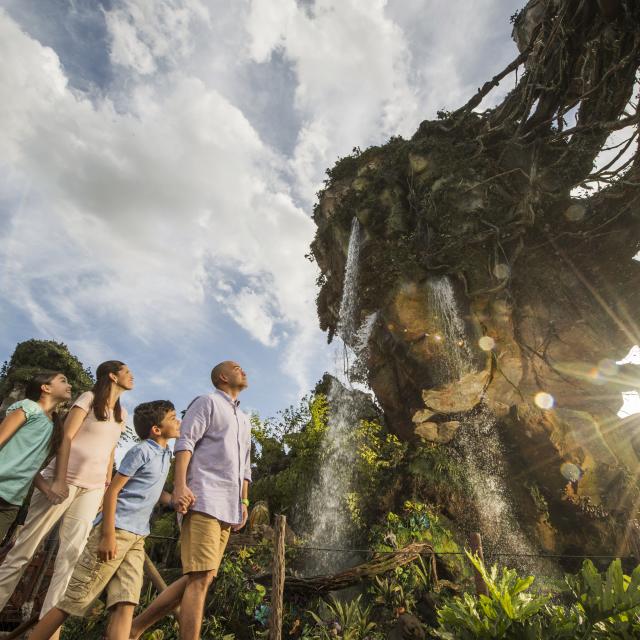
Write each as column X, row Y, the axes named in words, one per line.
column 248, row 309
column 145, row 203
column 145, row 33
column 352, row 65
column 138, row 205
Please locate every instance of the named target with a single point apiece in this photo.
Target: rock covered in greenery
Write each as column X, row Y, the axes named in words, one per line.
column 32, row 356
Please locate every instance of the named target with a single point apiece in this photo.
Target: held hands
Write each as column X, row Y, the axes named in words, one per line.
column 245, row 515
column 58, row 492
column 182, row 499
column 107, row 548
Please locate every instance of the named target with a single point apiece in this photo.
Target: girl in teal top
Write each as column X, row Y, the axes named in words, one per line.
column 25, row 438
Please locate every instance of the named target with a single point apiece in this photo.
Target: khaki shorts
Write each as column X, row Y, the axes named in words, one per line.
column 202, row 542
column 122, row 576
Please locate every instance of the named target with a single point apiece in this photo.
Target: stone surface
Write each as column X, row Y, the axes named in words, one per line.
column 459, row 396
column 440, row 433
column 407, row 627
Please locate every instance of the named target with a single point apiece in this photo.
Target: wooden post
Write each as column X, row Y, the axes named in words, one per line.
column 475, row 542
column 633, row 537
column 434, row 571
column 153, row 574
column 277, row 580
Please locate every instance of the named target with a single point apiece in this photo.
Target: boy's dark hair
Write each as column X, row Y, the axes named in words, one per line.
column 148, row 414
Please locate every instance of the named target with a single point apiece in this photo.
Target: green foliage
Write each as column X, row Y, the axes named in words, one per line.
column 390, row 593
column 609, row 602
column 416, row 523
column 349, row 620
column 287, row 457
column 438, row 468
column 93, row 626
column 213, row 628
column 32, row 356
column 378, row 455
column 603, row 606
column 236, row 597
column 509, row 611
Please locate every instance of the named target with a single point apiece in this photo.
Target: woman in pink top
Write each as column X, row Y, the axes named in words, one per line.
column 72, row 486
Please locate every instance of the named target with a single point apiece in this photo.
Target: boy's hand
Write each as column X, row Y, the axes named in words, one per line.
column 59, row 491
column 182, row 498
column 245, row 515
column 107, row 548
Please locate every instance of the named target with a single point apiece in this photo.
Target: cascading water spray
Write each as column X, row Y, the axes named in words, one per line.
column 457, row 358
column 348, row 303
column 328, row 508
column 479, row 439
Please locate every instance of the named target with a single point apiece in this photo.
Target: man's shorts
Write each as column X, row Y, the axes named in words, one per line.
column 122, row 576
column 202, row 542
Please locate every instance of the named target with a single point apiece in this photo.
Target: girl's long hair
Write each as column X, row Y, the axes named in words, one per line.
column 33, row 391
column 101, row 390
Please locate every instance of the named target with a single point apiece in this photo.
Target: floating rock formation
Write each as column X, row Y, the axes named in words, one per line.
column 545, row 283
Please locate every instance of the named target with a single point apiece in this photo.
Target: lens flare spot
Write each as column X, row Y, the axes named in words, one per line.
column 574, row 212
column 501, row 271
column 570, row 471
column 486, row 343
column 544, row 400
column 595, row 376
column 607, row 367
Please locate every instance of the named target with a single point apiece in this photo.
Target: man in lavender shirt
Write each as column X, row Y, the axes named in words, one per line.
column 212, row 475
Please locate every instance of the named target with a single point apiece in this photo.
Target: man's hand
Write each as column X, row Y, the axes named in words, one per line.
column 58, row 491
column 245, row 515
column 107, row 547
column 182, row 499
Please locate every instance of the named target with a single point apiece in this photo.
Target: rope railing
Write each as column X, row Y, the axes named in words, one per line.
column 493, row 554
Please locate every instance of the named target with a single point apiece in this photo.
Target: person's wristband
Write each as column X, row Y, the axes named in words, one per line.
column 245, row 502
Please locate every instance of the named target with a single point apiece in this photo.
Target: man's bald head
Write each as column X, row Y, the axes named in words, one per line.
column 228, row 374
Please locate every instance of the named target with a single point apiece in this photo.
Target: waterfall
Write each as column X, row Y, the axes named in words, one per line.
column 330, row 519
column 479, row 439
column 456, row 358
column 348, row 305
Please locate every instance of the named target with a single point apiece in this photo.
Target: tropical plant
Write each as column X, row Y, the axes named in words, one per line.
column 350, row 620
column 507, row 612
column 600, row 606
column 607, row 603
column 390, row 593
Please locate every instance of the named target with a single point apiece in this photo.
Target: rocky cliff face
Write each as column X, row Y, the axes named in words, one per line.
column 546, row 288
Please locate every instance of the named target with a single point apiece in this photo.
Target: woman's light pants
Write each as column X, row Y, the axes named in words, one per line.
column 77, row 512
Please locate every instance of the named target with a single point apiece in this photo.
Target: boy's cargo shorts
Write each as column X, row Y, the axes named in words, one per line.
column 122, row 576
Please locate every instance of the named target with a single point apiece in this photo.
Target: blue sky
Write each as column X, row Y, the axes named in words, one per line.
column 159, row 163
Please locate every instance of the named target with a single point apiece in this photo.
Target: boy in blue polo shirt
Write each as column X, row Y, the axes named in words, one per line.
column 114, row 556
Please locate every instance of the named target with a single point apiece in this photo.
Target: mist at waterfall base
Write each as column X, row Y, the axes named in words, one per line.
column 480, row 444
column 328, row 504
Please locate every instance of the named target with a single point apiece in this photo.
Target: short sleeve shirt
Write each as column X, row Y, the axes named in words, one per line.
column 91, row 448
column 147, row 465
column 23, row 455
column 218, row 435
